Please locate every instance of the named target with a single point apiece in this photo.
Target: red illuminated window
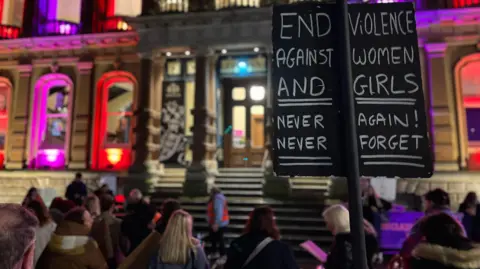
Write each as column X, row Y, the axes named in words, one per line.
column 113, row 121
column 465, row 3
column 11, row 18
column 5, row 89
column 110, row 13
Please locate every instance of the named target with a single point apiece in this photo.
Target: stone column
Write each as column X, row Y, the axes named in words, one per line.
column 273, row 186
column 442, row 103
column 142, row 116
column 18, row 125
column 198, row 179
column 81, row 117
column 154, row 123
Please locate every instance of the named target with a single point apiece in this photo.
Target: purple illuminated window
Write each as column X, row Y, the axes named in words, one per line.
column 54, row 18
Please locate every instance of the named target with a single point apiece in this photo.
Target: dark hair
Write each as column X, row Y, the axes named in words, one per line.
column 438, row 197
column 470, row 199
column 442, row 229
column 63, row 205
column 168, row 207
column 106, row 202
column 75, row 215
column 261, row 220
column 29, row 195
column 41, row 212
column 78, row 175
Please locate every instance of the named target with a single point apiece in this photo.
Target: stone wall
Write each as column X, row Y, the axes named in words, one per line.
column 14, row 185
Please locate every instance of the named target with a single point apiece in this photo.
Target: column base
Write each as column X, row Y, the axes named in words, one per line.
column 198, row 181
column 275, row 186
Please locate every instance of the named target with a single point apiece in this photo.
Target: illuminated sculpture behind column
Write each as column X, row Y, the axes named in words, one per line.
column 112, row 134
column 109, row 14
column 58, row 17
column 50, row 125
column 11, row 18
column 5, row 90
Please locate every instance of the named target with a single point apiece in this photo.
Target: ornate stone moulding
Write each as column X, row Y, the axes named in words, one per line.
column 76, row 42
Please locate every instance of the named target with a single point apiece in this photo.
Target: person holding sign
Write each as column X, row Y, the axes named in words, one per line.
column 340, row 257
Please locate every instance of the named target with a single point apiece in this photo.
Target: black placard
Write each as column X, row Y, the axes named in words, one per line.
column 391, row 119
column 305, row 115
column 389, row 98
column 172, row 133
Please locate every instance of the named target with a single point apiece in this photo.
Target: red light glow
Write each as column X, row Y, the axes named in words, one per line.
column 114, row 156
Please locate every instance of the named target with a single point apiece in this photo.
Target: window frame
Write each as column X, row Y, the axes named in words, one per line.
column 101, row 114
column 8, row 86
column 39, row 117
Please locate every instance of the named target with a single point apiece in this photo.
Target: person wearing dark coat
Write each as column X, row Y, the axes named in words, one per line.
column 341, row 257
column 470, row 221
column 77, row 190
column 445, row 246
column 138, row 225
column 275, row 255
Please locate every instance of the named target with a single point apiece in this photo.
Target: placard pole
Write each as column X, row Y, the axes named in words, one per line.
column 357, row 229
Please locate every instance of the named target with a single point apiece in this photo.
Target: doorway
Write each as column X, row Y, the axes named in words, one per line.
column 244, row 119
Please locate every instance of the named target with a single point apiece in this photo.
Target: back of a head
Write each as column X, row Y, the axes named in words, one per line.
column 17, row 234
column 438, row 197
column 40, row 211
column 338, row 217
column 168, row 207
column 262, row 220
column 442, row 229
column 75, row 215
column 106, row 202
column 135, row 195
column 78, row 176
column 176, row 241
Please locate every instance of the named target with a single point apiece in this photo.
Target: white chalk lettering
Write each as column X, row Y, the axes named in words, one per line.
column 303, row 57
column 384, row 55
column 394, row 142
column 302, row 143
column 378, row 119
column 313, row 86
column 313, row 25
column 383, row 84
column 387, row 23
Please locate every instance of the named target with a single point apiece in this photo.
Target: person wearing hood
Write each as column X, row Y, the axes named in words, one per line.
column 218, row 219
column 435, row 201
column 71, row 247
column 445, row 245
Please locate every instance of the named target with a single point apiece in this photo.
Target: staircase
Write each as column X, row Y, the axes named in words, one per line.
column 298, row 220
column 240, row 182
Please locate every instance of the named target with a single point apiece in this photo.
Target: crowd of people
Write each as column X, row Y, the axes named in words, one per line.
column 82, row 231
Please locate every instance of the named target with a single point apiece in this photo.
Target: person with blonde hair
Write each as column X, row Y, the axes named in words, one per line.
column 337, row 219
column 178, row 249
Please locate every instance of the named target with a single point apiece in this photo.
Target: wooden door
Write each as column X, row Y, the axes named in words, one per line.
column 244, row 111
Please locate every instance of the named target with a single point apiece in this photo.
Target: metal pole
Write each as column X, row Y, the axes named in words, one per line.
column 351, row 153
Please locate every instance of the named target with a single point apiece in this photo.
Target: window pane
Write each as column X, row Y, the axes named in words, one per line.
column 4, row 90
column 120, row 97
column 57, row 102
column 473, row 123
column 189, row 103
column 257, row 126
column 54, row 135
column 118, row 129
column 239, row 94
column 239, row 131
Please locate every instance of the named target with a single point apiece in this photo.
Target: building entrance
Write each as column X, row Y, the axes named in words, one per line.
column 244, row 139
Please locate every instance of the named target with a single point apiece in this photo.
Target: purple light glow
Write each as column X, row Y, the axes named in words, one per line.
column 53, row 158
column 48, row 9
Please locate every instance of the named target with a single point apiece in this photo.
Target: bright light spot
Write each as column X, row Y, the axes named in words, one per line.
column 52, row 155
column 257, row 93
column 187, row 52
column 242, row 65
column 256, row 49
column 114, row 155
column 168, row 54
column 224, row 51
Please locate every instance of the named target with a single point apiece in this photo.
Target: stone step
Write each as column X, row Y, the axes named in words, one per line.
column 219, row 180
column 242, row 186
column 241, row 170
column 247, row 209
column 243, row 193
column 240, row 175
column 278, row 218
column 310, row 187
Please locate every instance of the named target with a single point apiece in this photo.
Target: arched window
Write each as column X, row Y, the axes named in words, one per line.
column 50, row 130
column 5, row 90
column 113, row 121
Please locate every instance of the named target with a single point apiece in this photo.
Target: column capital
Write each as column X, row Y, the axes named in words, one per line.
column 435, row 50
column 84, row 67
column 25, row 69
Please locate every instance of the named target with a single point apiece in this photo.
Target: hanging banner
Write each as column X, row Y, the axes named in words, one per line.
column 172, row 135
